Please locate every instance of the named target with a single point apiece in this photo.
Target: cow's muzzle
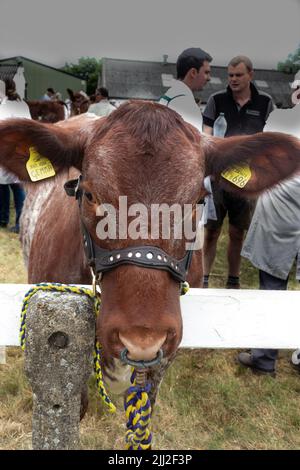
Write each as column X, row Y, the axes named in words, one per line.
column 144, row 351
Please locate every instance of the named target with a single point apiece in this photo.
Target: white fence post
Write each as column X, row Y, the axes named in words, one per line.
column 2, row 355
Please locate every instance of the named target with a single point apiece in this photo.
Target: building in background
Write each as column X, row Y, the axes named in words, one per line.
column 33, row 78
column 134, row 79
column 14, row 71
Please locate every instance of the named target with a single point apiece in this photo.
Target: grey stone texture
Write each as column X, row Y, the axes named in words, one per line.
column 60, row 333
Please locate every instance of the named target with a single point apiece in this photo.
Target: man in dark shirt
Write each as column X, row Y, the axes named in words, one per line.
column 246, row 110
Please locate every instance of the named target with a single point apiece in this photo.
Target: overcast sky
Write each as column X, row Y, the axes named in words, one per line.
column 55, row 31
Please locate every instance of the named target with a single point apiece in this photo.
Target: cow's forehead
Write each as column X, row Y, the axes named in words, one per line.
column 144, row 150
column 170, row 173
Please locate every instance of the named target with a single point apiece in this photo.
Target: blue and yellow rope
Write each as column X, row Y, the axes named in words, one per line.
column 184, row 288
column 138, row 413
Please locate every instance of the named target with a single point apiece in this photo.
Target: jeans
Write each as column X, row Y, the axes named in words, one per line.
column 19, row 197
column 266, row 358
column 4, row 203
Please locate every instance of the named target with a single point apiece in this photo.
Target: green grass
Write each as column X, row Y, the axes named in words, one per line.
column 12, row 269
column 206, row 401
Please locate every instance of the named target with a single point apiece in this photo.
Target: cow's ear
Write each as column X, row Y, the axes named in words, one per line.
column 23, row 141
column 71, row 94
column 247, row 165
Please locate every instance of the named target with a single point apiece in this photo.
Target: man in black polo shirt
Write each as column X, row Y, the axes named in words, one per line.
column 246, row 110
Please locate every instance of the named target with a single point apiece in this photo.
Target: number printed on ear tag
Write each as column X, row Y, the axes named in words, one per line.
column 38, row 167
column 238, row 175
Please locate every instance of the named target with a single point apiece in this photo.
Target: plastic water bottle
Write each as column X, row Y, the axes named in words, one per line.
column 220, row 126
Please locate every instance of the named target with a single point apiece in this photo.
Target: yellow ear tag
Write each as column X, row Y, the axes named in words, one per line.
column 38, row 167
column 238, row 175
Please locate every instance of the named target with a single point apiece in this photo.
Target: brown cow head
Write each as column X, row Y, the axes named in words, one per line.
column 47, row 111
column 79, row 102
column 148, row 153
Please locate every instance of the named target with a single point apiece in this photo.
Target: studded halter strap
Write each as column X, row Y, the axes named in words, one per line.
column 147, row 256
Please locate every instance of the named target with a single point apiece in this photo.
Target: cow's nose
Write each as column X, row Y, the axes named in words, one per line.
column 142, row 345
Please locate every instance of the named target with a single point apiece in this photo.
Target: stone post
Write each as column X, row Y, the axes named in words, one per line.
column 60, row 332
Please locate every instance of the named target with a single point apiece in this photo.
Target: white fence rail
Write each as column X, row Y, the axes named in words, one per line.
column 212, row 318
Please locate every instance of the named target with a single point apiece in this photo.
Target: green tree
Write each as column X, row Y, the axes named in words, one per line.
column 291, row 64
column 87, row 68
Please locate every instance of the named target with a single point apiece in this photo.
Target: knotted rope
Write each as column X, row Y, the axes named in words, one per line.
column 184, row 288
column 138, row 413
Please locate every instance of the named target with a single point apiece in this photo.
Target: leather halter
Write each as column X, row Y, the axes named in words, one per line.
column 147, row 256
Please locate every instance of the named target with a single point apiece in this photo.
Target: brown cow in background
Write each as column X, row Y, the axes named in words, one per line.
column 147, row 152
column 47, row 111
column 56, row 110
column 79, row 102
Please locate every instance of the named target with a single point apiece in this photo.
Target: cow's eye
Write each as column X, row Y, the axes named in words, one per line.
column 89, row 196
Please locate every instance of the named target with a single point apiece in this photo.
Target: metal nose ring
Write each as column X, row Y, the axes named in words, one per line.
column 141, row 364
